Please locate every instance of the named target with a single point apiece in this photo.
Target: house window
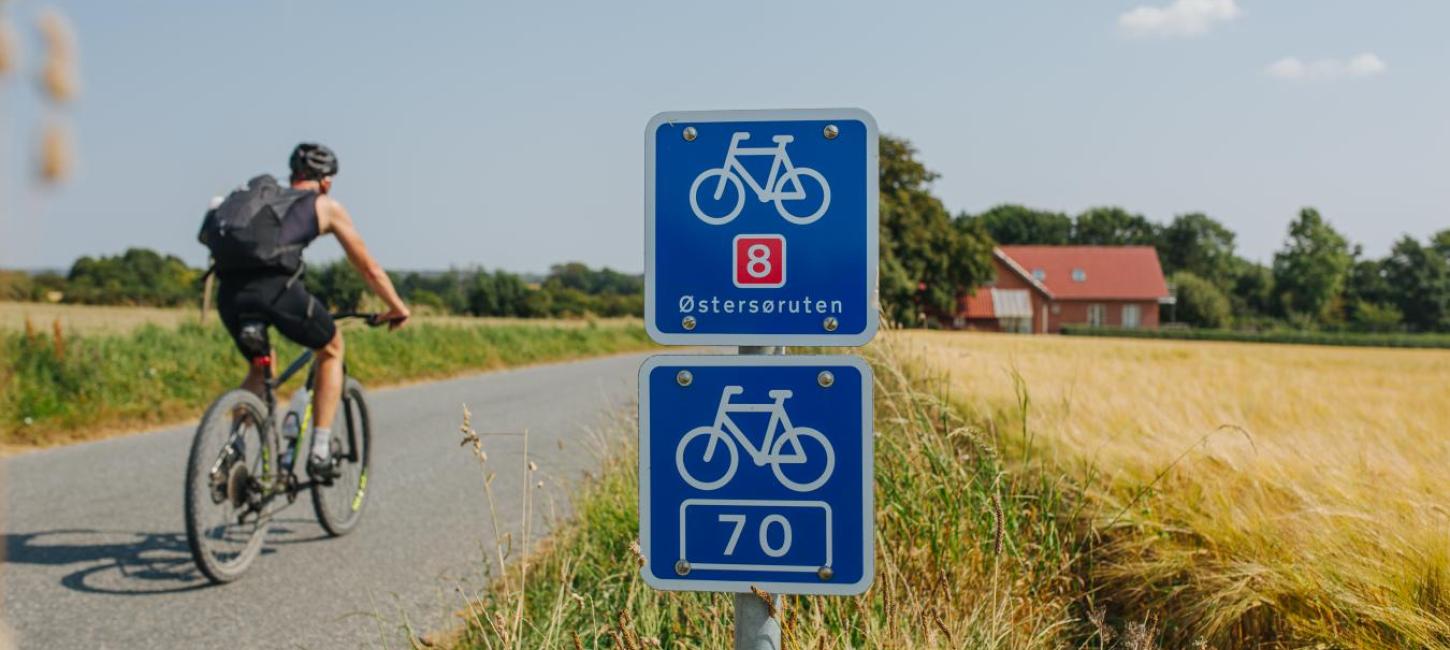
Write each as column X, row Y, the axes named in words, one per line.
column 1097, row 315
column 1039, row 274
column 1079, row 275
column 1132, row 316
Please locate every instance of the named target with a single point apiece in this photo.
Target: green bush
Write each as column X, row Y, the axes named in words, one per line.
column 1200, row 303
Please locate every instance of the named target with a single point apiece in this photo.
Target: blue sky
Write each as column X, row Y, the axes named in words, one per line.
column 510, row 134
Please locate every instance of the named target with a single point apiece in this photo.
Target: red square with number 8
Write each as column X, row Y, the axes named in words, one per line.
column 759, row 261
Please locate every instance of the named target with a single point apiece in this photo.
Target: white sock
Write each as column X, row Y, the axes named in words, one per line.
column 320, row 439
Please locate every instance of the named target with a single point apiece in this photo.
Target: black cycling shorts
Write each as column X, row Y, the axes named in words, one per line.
column 279, row 301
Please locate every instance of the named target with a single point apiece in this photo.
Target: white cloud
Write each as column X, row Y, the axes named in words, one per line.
column 1294, row 69
column 1182, row 18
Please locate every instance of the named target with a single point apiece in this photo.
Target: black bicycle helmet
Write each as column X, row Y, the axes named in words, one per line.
column 311, row 161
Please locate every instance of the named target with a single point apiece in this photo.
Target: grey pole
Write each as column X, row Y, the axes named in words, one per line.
column 755, row 629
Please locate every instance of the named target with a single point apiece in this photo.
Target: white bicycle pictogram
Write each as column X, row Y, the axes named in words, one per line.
column 779, row 432
column 783, row 184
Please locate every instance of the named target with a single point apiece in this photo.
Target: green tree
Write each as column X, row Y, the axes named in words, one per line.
column 1015, row 224
column 1200, row 245
column 1311, row 270
column 1199, row 302
column 336, row 284
column 1113, row 226
column 928, row 263
column 1369, row 297
column 139, row 276
column 1252, row 291
column 1419, row 280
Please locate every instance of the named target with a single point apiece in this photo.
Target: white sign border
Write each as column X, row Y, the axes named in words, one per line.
column 873, row 234
column 868, row 504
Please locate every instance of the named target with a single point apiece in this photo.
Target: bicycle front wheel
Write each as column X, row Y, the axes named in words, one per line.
column 339, row 505
column 232, row 461
column 803, row 196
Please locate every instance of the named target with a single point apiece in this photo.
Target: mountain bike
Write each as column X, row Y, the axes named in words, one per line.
column 236, row 479
column 779, row 433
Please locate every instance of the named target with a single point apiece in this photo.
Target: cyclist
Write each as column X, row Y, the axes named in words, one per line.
column 258, row 260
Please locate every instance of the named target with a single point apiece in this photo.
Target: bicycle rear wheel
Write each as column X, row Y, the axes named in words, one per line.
column 232, row 460
column 339, row 505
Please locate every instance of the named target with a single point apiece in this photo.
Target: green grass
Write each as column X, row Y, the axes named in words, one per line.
column 969, row 554
column 57, row 386
column 1350, row 339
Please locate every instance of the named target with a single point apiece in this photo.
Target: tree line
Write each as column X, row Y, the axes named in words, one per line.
column 930, row 260
column 143, row 277
column 1318, row 279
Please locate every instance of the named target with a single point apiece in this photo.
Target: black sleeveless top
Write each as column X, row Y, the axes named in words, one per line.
column 299, row 225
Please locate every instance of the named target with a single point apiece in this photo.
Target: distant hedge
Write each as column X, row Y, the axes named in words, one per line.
column 1352, row 339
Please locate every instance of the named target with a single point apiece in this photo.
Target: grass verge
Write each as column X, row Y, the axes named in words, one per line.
column 56, row 386
column 969, row 555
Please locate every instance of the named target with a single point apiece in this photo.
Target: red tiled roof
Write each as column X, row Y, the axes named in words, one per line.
column 979, row 304
column 1108, row 272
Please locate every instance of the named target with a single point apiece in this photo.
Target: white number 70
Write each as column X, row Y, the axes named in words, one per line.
column 772, row 551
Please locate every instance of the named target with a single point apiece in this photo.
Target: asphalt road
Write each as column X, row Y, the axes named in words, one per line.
column 95, row 550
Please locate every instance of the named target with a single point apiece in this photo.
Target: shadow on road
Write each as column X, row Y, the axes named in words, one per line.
column 126, row 563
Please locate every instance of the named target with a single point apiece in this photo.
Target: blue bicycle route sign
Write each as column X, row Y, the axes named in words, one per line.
column 756, row 471
column 761, row 227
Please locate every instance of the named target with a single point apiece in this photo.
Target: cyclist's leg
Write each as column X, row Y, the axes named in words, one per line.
column 328, row 389
column 234, row 299
column 301, row 317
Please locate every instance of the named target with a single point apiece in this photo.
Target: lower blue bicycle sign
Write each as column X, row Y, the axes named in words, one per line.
column 756, row 471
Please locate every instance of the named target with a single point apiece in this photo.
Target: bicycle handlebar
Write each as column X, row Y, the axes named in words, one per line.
column 373, row 319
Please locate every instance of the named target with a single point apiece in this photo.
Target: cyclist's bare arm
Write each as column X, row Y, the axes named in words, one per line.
column 333, row 218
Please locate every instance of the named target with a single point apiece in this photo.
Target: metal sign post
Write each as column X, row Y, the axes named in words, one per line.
column 755, row 469
column 755, row 628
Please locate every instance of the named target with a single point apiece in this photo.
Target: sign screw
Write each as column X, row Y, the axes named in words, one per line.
column 826, row 379
column 831, row 132
column 825, row 573
column 690, row 134
column 830, row 324
column 684, row 378
column 683, row 567
column 688, row 323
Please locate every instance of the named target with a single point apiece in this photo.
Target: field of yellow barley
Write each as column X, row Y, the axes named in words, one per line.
column 1242, row 493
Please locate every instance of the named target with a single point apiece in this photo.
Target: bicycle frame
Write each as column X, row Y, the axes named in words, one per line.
column 780, row 163
column 779, row 420
column 280, row 483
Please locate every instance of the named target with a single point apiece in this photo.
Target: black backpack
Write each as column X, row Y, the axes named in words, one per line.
column 244, row 232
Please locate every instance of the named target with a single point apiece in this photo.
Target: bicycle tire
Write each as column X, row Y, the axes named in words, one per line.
column 797, row 174
column 797, row 434
column 734, row 180
column 683, row 467
column 200, row 492
column 349, row 490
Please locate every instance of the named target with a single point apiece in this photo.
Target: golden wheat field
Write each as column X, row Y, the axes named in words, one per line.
column 1242, row 492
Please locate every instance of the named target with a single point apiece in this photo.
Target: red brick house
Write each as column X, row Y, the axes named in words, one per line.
column 1039, row 289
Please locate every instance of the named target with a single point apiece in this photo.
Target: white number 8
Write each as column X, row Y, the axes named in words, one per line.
column 757, row 262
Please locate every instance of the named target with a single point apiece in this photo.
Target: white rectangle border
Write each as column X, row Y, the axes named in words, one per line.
column 868, row 474
column 872, row 298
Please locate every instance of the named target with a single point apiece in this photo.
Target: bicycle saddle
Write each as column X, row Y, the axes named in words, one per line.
column 783, row 139
column 253, row 339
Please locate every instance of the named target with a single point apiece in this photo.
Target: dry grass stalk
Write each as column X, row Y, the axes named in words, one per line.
column 56, row 159
column 57, row 335
column 9, row 47
column 58, row 77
